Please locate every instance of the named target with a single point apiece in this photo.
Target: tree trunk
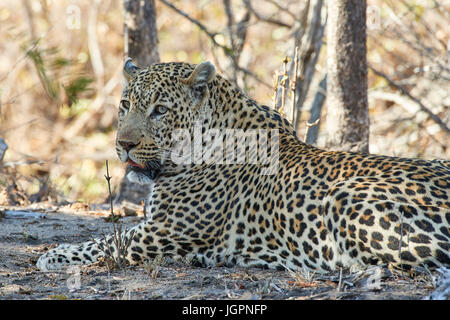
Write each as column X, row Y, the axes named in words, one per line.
column 348, row 114
column 141, row 44
column 141, row 37
column 309, row 50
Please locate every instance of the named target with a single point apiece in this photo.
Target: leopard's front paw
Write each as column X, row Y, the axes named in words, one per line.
column 66, row 255
column 55, row 259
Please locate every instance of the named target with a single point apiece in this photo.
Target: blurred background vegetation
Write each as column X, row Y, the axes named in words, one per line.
column 60, row 80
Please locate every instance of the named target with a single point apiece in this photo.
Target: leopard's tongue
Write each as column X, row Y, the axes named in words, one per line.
column 134, row 164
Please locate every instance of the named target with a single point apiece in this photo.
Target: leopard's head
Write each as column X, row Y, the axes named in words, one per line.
column 156, row 101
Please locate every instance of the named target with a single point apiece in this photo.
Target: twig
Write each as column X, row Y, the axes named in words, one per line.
column 14, row 164
column 108, row 179
column 94, row 49
column 309, row 126
column 19, row 125
column 434, row 117
column 230, row 22
column 284, row 84
column 340, row 280
column 197, row 23
column 248, row 5
column 294, row 85
column 275, row 87
column 121, row 247
column 211, row 35
column 30, row 20
column 279, row 7
column 237, row 33
column 409, row 106
column 425, row 25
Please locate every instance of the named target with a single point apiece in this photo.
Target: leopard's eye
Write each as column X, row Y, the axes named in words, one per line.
column 125, row 104
column 160, row 109
column 123, row 108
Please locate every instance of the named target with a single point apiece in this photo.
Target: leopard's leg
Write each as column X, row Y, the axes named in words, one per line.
column 81, row 254
column 370, row 228
column 149, row 239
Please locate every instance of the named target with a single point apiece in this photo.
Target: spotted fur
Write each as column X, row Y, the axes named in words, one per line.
column 319, row 210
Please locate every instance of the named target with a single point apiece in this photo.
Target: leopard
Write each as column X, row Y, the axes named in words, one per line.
column 267, row 199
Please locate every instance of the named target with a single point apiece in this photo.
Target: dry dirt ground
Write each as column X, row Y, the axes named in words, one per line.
column 25, row 233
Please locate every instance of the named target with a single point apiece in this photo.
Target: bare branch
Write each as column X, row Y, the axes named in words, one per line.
column 211, row 35
column 202, row 27
column 93, row 46
column 294, row 85
column 434, row 117
column 248, row 5
column 238, row 34
column 279, row 7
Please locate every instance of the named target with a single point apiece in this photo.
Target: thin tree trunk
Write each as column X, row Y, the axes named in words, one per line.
column 306, row 36
column 348, row 115
column 141, row 44
column 309, row 50
column 141, row 37
column 316, row 111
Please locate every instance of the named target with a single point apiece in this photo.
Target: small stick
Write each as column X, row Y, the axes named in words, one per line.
column 121, row 249
column 340, row 280
column 108, row 179
column 402, row 89
column 294, row 87
column 275, row 94
column 309, row 126
column 284, row 80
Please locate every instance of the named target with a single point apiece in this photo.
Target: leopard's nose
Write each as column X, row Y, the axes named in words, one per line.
column 127, row 145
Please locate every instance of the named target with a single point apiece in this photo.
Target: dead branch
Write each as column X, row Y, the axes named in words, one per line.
column 275, row 88
column 29, row 18
column 284, row 85
column 14, row 164
column 122, row 245
column 427, row 27
column 238, row 34
column 406, row 104
column 404, row 91
column 259, row 17
column 19, row 125
column 279, row 7
column 93, row 46
column 211, row 35
column 294, row 85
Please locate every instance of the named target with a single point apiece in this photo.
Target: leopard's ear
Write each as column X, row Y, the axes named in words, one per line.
column 130, row 69
column 203, row 73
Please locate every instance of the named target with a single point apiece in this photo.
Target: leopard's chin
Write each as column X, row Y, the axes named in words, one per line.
column 142, row 176
column 145, row 174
